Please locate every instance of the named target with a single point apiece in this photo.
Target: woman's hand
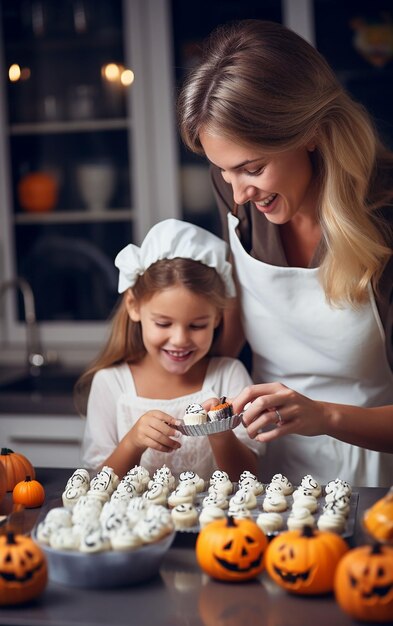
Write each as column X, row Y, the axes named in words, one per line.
column 156, row 430
column 275, row 405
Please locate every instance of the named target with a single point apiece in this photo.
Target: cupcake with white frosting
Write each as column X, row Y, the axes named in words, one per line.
column 210, row 514
column 282, row 480
column 270, row 522
column 299, row 518
column 313, row 485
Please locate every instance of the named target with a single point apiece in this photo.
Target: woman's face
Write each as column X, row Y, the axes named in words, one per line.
column 280, row 185
column 177, row 327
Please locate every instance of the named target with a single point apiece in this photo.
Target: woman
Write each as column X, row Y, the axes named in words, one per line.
column 305, row 189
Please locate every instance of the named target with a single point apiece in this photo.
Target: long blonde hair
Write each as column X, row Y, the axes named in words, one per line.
column 125, row 344
column 261, row 84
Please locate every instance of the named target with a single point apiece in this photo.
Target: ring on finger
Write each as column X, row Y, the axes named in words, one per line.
column 280, row 421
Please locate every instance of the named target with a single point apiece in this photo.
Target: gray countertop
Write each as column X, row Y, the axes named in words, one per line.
column 180, row 595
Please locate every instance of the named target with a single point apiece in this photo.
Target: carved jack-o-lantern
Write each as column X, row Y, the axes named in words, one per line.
column 231, row 549
column 23, row 569
column 364, row 583
column 378, row 520
column 304, row 561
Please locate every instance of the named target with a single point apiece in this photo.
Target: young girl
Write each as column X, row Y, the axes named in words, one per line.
column 158, row 359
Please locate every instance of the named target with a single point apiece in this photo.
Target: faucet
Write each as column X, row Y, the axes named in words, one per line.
column 34, row 353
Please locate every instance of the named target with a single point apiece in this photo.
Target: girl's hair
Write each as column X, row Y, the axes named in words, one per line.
column 261, row 84
column 125, row 340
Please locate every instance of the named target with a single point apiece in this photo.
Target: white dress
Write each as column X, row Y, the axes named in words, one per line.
column 114, row 407
column 326, row 353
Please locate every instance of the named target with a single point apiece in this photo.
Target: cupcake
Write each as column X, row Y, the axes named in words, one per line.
column 220, row 411
column 274, row 503
column 282, row 480
column 332, row 520
column 185, row 492
column 299, row 518
column 195, row 414
column 313, row 485
column 184, row 515
column 210, row 513
column 270, row 522
column 247, row 479
column 191, row 477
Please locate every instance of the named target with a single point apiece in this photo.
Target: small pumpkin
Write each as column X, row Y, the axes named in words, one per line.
column 38, row 192
column 17, row 467
column 363, row 583
column 231, row 549
column 304, row 561
column 23, row 569
column 3, row 482
column 29, row 492
column 378, row 520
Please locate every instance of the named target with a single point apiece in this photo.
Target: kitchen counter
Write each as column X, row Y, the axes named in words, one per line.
column 180, row 595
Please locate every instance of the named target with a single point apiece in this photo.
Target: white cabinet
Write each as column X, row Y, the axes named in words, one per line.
column 86, row 97
column 50, row 441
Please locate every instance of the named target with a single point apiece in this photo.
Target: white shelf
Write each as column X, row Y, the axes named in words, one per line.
column 75, row 126
column 69, row 217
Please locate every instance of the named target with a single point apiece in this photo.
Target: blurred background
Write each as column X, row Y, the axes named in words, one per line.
column 90, row 154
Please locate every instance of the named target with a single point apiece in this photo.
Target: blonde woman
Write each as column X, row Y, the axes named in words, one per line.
column 305, row 189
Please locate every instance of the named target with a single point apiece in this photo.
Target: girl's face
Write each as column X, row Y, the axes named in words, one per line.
column 279, row 185
column 177, row 327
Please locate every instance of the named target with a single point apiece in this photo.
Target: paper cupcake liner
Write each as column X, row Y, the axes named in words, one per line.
column 210, row 428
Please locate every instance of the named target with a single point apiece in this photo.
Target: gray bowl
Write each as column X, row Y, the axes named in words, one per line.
column 106, row 569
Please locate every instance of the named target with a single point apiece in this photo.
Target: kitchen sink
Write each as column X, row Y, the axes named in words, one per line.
column 44, row 382
column 50, row 387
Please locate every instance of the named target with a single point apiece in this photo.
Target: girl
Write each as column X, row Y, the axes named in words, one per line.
column 305, row 188
column 158, row 359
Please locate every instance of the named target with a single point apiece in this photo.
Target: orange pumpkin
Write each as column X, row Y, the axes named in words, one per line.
column 23, row 569
column 38, row 191
column 304, row 561
column 231, row 549
column 364, row 583
column 29, row 492
column 378, row 520
column 3, row 482
column 17, row 467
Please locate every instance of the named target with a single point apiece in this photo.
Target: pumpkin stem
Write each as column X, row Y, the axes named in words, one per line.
column 308, row 531
column 27, row 479
column 376, row 548
column 231, row 521
column 6, row 451
column 10, row 538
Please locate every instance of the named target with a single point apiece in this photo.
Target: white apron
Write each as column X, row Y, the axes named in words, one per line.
column 326, row 353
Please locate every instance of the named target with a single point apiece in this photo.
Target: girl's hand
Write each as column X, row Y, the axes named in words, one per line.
column 275, row 405
column 155, row 429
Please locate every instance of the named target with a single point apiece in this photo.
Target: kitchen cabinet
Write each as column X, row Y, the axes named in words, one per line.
column 87, row 144
column 50, row 440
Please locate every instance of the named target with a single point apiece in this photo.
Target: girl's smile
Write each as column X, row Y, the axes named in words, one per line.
column 177, row 328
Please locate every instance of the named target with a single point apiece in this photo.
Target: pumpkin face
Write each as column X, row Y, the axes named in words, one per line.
column 17, row 467
column 364, row 583
column 231, row 550
column 29, row 492
column 304, row 561
column 23, row 569
column 378, row 520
